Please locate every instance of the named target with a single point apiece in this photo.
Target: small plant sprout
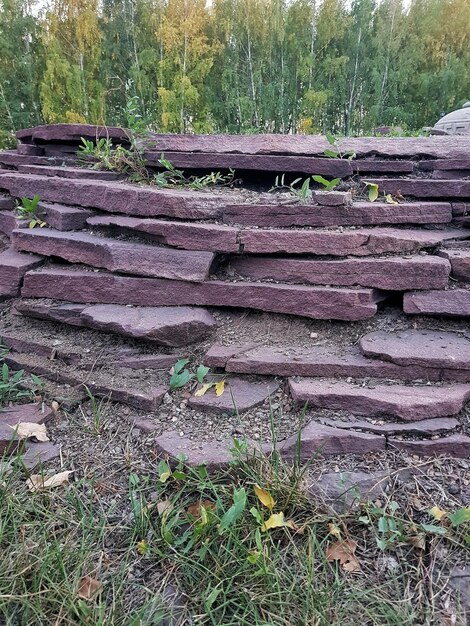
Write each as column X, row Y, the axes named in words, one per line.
column 328, row 185
column 301, row 193
column 373, row 191
column 337, row 153
column 180, row 375
column 27, row 209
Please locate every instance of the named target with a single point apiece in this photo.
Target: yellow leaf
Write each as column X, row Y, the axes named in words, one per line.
column 204, row 389
column 164, row 476
column 30, row 430
column 220, row 388
column 264, row 497
column 437, row 513
column 142, row 547
column 277, row 521
column 36, row 482
column 334, row 530
column 390, row 200
column 89, row 587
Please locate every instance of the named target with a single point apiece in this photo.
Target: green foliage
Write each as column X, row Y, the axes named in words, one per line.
column 328, row 185
column 11, row 386
column 27, row 209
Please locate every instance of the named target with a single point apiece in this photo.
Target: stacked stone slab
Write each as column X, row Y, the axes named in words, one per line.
column 141, row 261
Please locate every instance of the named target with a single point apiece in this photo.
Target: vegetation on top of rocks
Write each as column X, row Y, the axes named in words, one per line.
column 27, row 209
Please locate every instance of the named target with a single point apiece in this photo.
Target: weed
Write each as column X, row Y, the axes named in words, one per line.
column 301, row 193
column 328, row 185
column 98, row 411
column 11, row 386
column 181, row 376
column 27, row 210
column 337, row 153
column 172, row 177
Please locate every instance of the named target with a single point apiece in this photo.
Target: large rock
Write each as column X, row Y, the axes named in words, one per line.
column 68, row 172
column 426, row 348
column 101, row 287
column 460, row 262
column 213, row 237
column 63, row 217
column 457, row 446
column 239, row 396
column 449, row 303
column 409, row 403
column 115, row 255
column 423, row 187
column 355, row 242
column 66, row 313
column 13, row 266
column 355, row 214
column 166, row 326
column 392, row 273
column 324, row 362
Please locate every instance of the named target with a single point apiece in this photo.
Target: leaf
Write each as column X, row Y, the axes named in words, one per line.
column 460, row 516
column 178, row 366
column 277, row 521
column 333, row 183
column 330, row 153
column 30, row 430
column 235, row 511
column 163, row 506
column 389, row 199
column 219, row 388
column 142, row 547
column 264, row 497
column 373, row 191
column 164, row 471
column 199, row 509
column 322, row 181
column 179, row 380
column 89, row 588
column 437, row 513
column 334, row 530
column 36, row 482
column 344, row 552
column 203, row 390
column 331, row 139
column 201, row 373
column 432, row 528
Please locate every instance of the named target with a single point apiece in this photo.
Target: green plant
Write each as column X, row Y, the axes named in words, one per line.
column 181, row 375
column 172, row 177
column 337, row 153
column 11, row 386
column 27, row 209
column 328, row 185
column 302, row 193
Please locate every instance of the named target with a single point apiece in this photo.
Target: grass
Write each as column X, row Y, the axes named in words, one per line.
column 229, row 572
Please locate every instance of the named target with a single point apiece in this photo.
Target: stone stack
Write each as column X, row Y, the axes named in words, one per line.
column 109, row 245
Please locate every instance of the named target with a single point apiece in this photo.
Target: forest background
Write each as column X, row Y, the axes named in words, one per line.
column 237, row 66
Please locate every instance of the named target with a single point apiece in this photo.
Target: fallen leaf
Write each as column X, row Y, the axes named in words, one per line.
column 418, row 541
column 334, row 530
column 164, row 505
column 219, row 388
column 264, row 497
column 437, row 513
column 55, row 406
column 142, row 547
column 89, row 588
column 37, row 482
column 389, row 199
column 203, row 390
column 344, row 552
column 277, row 521
column 199, row 509
column 30, row 430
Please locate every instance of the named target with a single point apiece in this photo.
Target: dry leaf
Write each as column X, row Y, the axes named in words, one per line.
column 142, row 547
column 418, row 541
column 164, row 505
column 334, row 530
column 220, row 388
column 199, row 509
column 437, row 513
column 264, row 497
column 36, row 482
column 30, row 430
column 277, row 521
column 89, row 588
column 203, row 390
column 55, row 406
column 344, row 552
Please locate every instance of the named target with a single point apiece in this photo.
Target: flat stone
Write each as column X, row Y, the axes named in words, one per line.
column 346, row 490
column 217, row 356
column 326, row 362
column 115, row 255
column 426, row 427
column 391, row 273
column 449, row 174
column 239, row 396
column 460, row 262
column 19, row 344
column 13, row 266
column 101, row 287
column 459, row 580
column 25, row 148
column 427, row 348
column 13, row 159
column 38, row 453
column 6, row 202
column 69, row 172
column 340, row 168
column 460, row 209
column 213, row 237
column 63, row 217
column 357, row 242
column 9, row 221
column 117, row 197
column 457, row 446
column 387, row 166
column 148, row 361
column 37, row 413
column 67, row 313
column 166, row 326
column 409, row 403
column 423, row 187
column 71, row 132
column 445, row 164
column 449, row 303
column 318, row 440
column 355, row 214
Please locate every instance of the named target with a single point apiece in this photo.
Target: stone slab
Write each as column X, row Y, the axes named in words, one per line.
column 61, row 217
column 354, row 242
column 66, row 313
column 457, row 446
column 337, row 168
column 13, row 159
column 115, row 255
column 445, row 164
column 69, row 172
column 13, row 266
column 6, row 202
column 449, row 303
column 18, row 344
column 37, row 413
column 426, row 427
column 71, row 132
column 460, row 262
column 423, row 187
column 212, row 237
column 9, row 221
column 117, row 197
column 26, row 148
column 239, row 396
column 38, row 453
column 405, row 402
column 148, row 361
column 325, row 362
column 390, row 273
column 426, row 348
column 165, row 326
column 105, row 288
column 355, row 214
column 385, row 166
